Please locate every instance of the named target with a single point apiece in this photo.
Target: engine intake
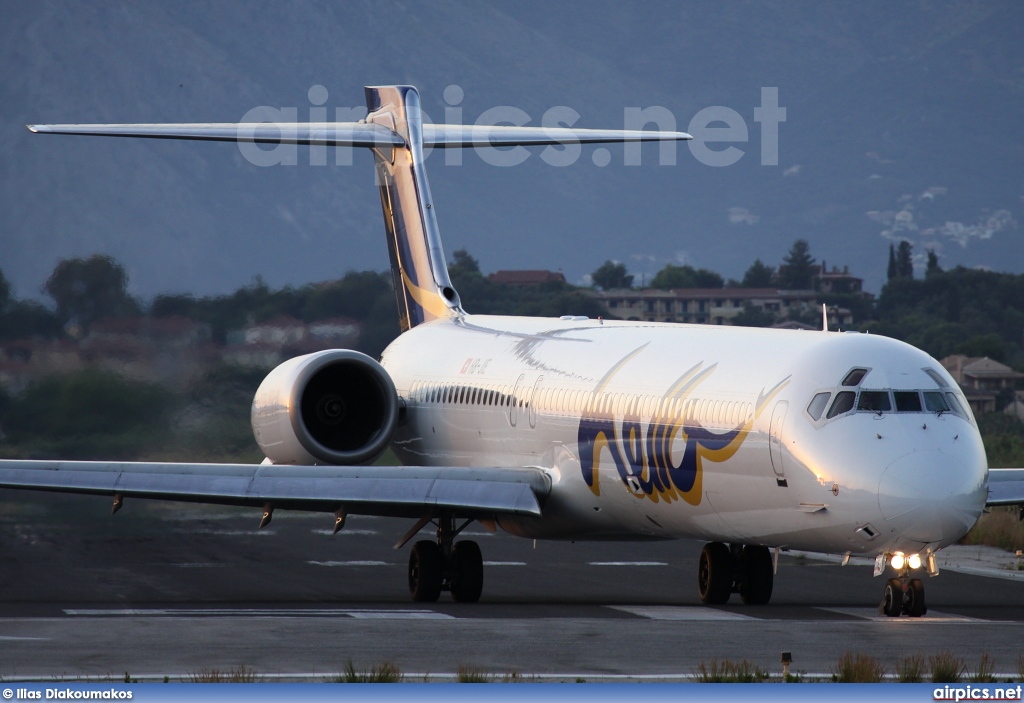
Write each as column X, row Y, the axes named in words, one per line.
column 331, row 407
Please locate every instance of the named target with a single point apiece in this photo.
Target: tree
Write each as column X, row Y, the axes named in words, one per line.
column 891, row 269
column 798, row 269
column 463, row 263
column 86, row 290
column 611, row 275
column 904, row 260
column 933, row 267
column 686, row 276
column 173, row 304
column 23, row 319
column 753, row 316
column 5, row 292
column 90, row 414
column 759, row 275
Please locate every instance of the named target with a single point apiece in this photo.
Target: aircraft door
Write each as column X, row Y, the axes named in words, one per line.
column 775, row 440
column 534, row 398
column 513, row 410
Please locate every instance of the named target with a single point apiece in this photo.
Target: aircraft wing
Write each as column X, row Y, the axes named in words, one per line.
column 1005, row 487
column 360, row 490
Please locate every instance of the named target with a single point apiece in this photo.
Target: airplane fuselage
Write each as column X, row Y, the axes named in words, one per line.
column 659, row 431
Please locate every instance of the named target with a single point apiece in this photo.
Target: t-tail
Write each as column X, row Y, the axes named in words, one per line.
column 395, row 132
column 418, row 268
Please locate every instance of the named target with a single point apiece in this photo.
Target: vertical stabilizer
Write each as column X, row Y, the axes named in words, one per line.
column 418, row 266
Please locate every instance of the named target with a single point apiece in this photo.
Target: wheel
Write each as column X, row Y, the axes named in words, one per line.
column 915, row 606
column 425, row 572
column 468, row 581
column 714, row 574
column 758, row 575
column 892, row 598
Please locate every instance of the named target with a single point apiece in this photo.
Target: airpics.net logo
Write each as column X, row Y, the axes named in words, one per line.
column 719, row 133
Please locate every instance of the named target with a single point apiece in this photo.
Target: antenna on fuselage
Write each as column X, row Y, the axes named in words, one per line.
column 824, row 318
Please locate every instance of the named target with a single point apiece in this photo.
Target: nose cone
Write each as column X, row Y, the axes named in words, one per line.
column 931, row 497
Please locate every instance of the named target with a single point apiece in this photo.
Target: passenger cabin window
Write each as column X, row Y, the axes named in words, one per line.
column 874, row 401
column 818, row 404
column 842, row 404
column 907, row 401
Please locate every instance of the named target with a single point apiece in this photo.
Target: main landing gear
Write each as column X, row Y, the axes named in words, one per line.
column 446, row 565
column 727, row 569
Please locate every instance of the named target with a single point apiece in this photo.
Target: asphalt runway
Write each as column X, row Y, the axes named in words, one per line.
column 170, row 589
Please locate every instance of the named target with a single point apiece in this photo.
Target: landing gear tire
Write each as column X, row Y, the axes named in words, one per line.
column 468, row 577
column 426, row 571
column 714, row 574
column 758, row 575
column 914, row 605
column 892, row 598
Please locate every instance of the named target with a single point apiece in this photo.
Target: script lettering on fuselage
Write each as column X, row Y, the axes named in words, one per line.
column 646, row 454
column 474, row 366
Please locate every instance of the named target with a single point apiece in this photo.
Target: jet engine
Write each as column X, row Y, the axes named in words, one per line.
column 330, row 407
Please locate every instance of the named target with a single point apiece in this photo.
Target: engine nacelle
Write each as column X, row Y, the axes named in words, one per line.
column 330, row 407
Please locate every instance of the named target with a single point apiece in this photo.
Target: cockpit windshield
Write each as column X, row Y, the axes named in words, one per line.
column 850, row 396
column 874, row 401
column 882, row 401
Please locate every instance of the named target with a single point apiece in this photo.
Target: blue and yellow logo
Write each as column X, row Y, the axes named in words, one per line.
column 643, row 453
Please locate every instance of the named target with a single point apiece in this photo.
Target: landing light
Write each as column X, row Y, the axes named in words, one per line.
column 914, row 561
column 898, row 561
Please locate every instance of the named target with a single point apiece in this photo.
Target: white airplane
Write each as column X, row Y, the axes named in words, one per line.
column 751, row 439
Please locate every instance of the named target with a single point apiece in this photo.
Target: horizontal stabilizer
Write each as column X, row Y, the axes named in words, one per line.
column 362, row 134
column 362, row 490
column 1005, row 487
column 459, row 135
column 314, row 133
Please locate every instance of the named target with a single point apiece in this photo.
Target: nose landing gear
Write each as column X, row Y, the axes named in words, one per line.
column 903, row 595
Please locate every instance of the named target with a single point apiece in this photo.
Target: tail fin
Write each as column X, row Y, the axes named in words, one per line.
column 394, row 130
column 418, row 266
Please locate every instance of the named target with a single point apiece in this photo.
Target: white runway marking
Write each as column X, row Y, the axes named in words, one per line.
column 358, row 613
column 399, row 615
column 348, row 563
column 873, row 614
column 331, row 533
column 229, row 533
column 196, row 565
column 674, row 612
column 504, row 563
column 11, row 638
column 626, row 563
